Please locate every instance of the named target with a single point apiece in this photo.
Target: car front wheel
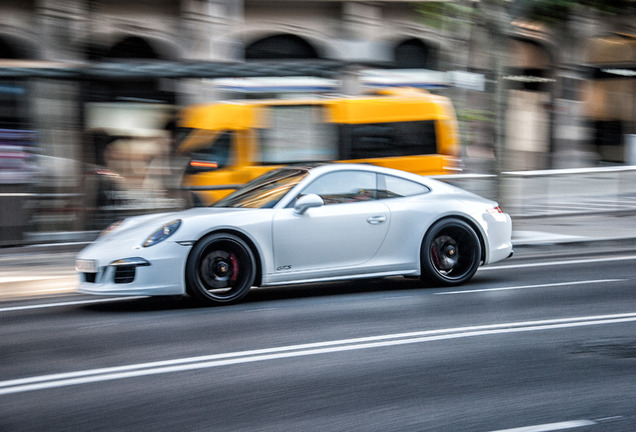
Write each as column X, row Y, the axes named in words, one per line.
column 220, row 270
column 450, row 253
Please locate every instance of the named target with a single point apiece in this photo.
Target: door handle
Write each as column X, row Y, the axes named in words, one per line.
column 375, row 220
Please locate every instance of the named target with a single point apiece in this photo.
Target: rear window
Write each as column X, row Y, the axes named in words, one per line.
column 395, row 187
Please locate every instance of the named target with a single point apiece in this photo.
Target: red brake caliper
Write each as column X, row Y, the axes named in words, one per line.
column 235, row 268
column 435, row 256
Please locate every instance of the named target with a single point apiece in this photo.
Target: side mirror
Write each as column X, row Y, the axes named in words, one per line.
column 306, row 202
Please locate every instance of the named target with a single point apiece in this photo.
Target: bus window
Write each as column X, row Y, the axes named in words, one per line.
column 380, row 140
column 296, row 133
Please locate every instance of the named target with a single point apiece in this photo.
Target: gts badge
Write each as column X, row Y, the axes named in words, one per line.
column 283, row 268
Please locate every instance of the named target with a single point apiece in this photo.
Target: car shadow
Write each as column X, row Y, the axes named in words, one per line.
column 327, row 289
column 259, row 295
column 143, row 304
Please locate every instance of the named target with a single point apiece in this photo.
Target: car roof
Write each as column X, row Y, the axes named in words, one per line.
column 320, row 168
column 317, row 169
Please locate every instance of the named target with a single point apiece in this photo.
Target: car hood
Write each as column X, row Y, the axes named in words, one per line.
column 141, row 227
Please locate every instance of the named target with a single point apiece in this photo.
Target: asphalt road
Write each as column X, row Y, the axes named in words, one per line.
column 528, row 345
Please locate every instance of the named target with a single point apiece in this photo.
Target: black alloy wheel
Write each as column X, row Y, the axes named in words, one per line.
column 450, row 253
column 221, row 269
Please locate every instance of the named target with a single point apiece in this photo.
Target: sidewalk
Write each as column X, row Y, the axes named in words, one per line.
column 48, row 269
column 574, row 235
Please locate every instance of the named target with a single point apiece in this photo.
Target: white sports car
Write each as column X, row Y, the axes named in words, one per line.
column 302, row 224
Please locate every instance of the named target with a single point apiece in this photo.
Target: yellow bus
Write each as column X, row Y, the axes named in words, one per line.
column 229, row 143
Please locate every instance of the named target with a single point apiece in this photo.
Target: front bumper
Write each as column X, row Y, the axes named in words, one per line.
column 160, row 271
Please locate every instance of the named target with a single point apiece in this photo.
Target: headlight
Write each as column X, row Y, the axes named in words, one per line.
column 162, row 233
column 110, row 228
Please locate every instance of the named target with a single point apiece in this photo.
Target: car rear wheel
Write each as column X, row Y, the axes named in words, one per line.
column 220, row 269
column 450, row 253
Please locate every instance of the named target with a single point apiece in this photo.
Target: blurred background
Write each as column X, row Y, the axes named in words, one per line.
column 544, row 91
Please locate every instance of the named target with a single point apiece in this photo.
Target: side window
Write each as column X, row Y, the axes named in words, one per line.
column 214, row 152
column 344, row 187
column 395, row 187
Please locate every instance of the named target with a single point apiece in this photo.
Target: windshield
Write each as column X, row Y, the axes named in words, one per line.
column 181, row 134
column 266, row 190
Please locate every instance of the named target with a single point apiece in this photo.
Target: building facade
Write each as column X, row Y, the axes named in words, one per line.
column 551, row 98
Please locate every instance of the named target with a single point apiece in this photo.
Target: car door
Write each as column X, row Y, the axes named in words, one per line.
column 345, row 232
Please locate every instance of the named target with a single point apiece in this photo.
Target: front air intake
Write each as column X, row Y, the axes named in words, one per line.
column 90, row 277
column 124, row 274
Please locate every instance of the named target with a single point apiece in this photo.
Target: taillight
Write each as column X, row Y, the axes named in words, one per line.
column 495, row 210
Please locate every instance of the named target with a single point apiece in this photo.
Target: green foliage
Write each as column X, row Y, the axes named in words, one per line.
column 613, row 7
column 445, row 14
column 555, row 11
column 475, row 115
column 550, row 11
column 440, row 14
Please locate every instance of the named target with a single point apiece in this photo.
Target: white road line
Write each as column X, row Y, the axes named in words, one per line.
column 557, row 263
column 277, row 353
column 520, row 287
column 69, row 303
column 14, row 279
column 551, row 426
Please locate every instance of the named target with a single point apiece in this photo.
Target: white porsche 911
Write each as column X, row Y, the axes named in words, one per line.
column 302, row 224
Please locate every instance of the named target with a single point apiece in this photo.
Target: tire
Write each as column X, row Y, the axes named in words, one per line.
column 220, row 270
column 450, row 253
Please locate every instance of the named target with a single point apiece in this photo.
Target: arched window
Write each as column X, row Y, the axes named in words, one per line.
column 129, row 48
column 132, row 48
column 9, row 51
column 414, row 54
column 283, row 46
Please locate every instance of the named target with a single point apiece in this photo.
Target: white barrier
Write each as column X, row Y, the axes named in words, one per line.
column 556, row 192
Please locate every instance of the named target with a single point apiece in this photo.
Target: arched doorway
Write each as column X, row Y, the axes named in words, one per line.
column 530, row 84
column 126, row 136
column 610, row 97
column 13, row 91
column 18, row 166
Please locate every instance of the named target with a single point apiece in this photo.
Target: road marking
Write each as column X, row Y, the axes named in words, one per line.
column 551, row 426
column 14, row 279
column 69, row 303
column 520, row 287
column 557, row 263
column 278, row 353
